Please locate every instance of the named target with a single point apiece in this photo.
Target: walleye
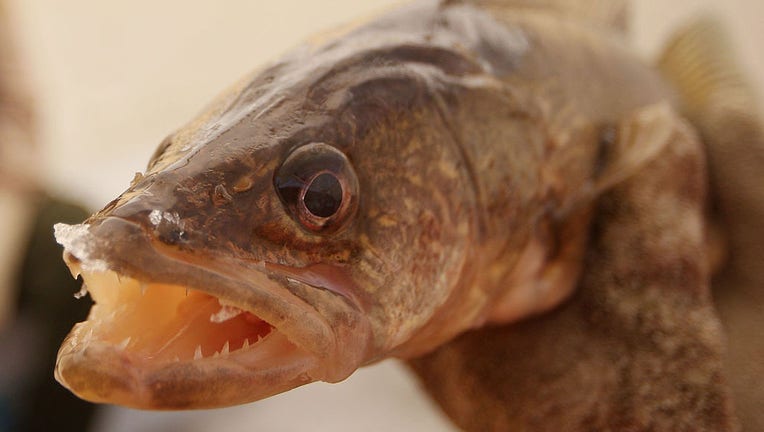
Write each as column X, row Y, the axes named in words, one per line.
column 447, row 166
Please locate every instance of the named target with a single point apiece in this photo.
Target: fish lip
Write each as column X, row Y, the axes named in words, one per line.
column 251, row 286
column 103, row 373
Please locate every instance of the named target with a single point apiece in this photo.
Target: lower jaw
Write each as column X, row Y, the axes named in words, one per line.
column 104, row 373
column 165, row 347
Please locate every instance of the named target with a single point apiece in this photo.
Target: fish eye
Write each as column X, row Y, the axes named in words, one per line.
column 318, row 186
column 323, row 196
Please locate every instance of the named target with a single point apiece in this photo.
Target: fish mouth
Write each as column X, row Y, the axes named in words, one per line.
column 168, row 331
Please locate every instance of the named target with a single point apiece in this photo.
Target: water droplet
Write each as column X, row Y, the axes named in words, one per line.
column 155, row 217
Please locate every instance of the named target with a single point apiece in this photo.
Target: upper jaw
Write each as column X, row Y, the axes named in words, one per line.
column 307, row 342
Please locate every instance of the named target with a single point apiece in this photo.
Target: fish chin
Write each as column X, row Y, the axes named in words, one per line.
column 175, row 345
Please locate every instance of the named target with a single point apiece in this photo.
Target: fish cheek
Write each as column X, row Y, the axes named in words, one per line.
column 413, row 226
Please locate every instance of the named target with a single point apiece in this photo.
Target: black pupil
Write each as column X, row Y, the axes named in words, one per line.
column 324, row 195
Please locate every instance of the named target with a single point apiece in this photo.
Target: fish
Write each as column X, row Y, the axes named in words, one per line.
column 446, row 170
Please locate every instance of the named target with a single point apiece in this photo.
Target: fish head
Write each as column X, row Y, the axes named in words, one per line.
column 313, row 220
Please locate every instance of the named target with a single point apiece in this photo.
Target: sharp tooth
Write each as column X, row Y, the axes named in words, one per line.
column 245, row 345
column 82, row 292
column 75, row 270
column 144, row 287
column 216, row 354
column 186, row 291
column 198, row 352
column 122, row 345
column 259, row 338
column 224, row 351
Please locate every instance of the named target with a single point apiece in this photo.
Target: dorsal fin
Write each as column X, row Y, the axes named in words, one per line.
column 611, row 14
column 700, row 63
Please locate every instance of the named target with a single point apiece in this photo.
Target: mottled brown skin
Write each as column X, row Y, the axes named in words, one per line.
column 638, row 346
column 489, row 180
column 382, row 122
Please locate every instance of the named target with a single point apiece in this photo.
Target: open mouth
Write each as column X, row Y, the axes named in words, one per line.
column 162, row 323
column 190, row 338
column 172, row 331
column 157, row 346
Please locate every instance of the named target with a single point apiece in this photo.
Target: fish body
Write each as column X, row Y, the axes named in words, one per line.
column 432, row 171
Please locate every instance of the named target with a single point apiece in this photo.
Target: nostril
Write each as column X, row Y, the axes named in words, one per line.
column 169, row 227
column 173, row 236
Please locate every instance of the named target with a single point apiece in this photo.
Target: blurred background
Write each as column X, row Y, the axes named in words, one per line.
column 111, row 79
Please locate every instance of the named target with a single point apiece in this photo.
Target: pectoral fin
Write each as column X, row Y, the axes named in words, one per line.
column 545, row 279
column 638, row 347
